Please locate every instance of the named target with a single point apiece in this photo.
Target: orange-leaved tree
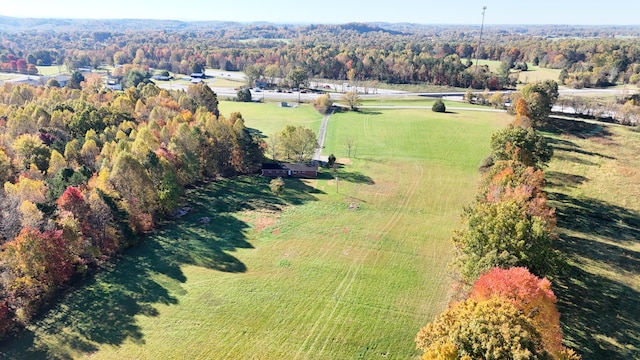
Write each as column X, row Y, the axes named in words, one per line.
column 481, row 329
column 531, row 294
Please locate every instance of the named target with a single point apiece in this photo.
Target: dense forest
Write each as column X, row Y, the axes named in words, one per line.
column 87, row 173
column 589, row 57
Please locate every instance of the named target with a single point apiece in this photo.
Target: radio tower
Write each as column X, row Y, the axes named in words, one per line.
column 484, row 8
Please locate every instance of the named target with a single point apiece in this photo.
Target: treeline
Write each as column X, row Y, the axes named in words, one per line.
column 87, row 173
column 341, row 52
column 10, row 63
column 358, row 52
column 503, row 254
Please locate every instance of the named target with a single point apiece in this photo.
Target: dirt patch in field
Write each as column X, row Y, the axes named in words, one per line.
column 603, row 141
column 344, row 161
column 381, row 189
column 276, row 231
column 264, row 222
column 331, row 182
column 627, row 172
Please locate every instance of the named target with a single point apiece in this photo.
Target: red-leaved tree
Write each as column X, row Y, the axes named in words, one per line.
column 36, row 264
column 530, row 294
column 73, row 201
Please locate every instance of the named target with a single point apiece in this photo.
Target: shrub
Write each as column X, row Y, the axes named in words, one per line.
column 438, row 106
column 323, row 103
column 244, row 95
column 277, row 185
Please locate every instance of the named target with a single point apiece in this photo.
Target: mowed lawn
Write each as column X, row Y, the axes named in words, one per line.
column 270, row 118
column 593, row 182
column 52, row 70
column 532, row 75
column 342, row 268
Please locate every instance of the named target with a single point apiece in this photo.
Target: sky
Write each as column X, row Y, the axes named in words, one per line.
column 580, row 12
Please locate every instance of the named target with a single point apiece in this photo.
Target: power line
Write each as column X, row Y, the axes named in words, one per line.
column 484, row 8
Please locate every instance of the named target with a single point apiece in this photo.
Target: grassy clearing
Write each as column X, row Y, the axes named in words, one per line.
column 427, row 88
column 8, row 76
column 494, row 65
column 416, row 101
column 536, row 73
column 52, row 70
column 532, row 75
column 331, row 270
column 224, row 82
column 593, row 182
column 270, row 118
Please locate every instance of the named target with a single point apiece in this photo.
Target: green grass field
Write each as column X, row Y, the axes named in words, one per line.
column 52, row 70
column 536, row 74
column 593, row 182
column 494, row 65
column 332, row 269
column 416, row 101
column 532, row 75
column 270, row 118
column 223, row 82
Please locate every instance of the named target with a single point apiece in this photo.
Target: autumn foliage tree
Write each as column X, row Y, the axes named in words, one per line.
column 523, row 115
column 323, row 103
column 509, row 314
column 85, row 172
column 37, row 264
column 503, row 234
column 524, row 145
column 540, row 98
column 532, row 295
column 481, row 329
column 352, row 100
column 298, row 143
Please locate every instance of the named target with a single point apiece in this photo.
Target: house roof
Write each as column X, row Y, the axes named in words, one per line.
column 271, row 166
column 300, row 167
column 160, row 77
column 290, row 166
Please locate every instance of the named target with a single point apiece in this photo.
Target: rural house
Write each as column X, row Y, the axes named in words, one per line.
column 290, row 170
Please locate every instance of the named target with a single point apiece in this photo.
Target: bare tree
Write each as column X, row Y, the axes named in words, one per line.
column 349, row 142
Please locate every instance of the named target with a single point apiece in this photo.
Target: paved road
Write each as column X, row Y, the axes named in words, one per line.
column 321, row 135
column 488, row 109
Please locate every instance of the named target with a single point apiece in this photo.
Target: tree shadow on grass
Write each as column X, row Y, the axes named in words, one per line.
column 369, row 112
column 596, row 217
column 575, row 128
column 102, row 310
column 570, row 158
column 580, row 151
column 556, row 142
column 354, row 177
column 559, row 179
column 600, row 314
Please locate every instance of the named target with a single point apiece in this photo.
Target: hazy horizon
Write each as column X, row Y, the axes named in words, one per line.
column 464, row 12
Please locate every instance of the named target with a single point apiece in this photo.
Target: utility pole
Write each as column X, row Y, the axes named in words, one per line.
column 484, row 8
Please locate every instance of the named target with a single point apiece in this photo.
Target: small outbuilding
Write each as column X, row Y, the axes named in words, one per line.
column 160, row 77
column 290, row 170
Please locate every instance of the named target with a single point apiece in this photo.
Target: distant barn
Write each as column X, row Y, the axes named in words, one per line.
column 290, row 170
